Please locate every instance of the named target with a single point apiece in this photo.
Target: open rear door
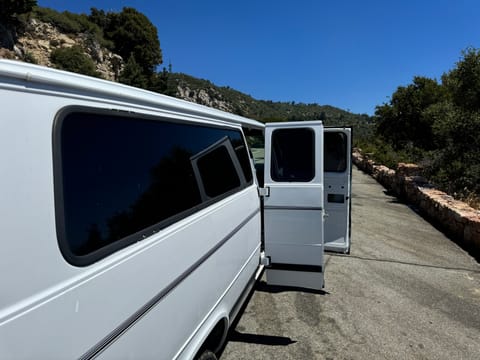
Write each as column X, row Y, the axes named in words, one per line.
column 293, row 204
column 338, row 188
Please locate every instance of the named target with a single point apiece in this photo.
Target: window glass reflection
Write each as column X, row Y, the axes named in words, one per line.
column 123, row 175
column 293, row 156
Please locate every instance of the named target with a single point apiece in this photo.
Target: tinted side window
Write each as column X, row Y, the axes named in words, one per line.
column 120, row 179
column 242, row 153
column 293, row 155
column 218, row 172
column 335, row 152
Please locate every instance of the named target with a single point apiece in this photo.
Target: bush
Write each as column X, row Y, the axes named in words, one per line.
column 30, row 58
column 383, row 153
column 72, row 24
column 443, row 120
column 75, row 60
column 456, row 165
column 60, row 20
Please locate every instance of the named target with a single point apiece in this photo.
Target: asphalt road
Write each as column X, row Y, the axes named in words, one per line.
column 405, row 292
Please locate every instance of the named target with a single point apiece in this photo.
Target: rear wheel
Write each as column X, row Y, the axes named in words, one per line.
column 207, row 355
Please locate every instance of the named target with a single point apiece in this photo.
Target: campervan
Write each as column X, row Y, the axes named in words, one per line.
column 134, row 225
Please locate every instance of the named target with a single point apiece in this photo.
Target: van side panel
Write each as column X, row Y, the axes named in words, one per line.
column 52, row 309
column 211, row 291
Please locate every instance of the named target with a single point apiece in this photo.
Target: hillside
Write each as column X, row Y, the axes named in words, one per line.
column 228, row 99
column 80, row 43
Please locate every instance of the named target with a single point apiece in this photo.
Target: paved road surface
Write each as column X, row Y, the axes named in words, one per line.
column 405, row 292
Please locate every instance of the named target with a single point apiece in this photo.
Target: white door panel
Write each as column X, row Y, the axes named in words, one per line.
column 337, row 189
column 294, row 236
column 294, row 195
column 293, row 207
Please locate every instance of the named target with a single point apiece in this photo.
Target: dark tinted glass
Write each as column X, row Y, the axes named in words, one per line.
column 218, row 172
column 335, row 154
column 293, row 156
column 243, row 157
column 128, row 177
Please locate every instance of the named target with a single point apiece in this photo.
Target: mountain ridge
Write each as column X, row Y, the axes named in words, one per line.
column 39, row 40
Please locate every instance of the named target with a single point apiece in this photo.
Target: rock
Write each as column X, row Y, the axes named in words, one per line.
column 116, row 64
column 404, row 169
column 208, row 97
column 6, row 54
column 40, row 39
column 455, row 217
column 18, row 52
column 65, row 40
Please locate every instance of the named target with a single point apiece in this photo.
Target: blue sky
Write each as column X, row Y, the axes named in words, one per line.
column 345, row 53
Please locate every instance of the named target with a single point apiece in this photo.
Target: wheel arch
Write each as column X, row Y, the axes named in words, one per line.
column 216, row 337
column 211, row 335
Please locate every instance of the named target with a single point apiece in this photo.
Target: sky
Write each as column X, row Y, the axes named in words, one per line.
column 345, row 53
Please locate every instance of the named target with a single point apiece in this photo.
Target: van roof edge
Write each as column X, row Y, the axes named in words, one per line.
column 71, row 81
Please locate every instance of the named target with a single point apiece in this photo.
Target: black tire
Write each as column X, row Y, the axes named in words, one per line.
column 207, row 355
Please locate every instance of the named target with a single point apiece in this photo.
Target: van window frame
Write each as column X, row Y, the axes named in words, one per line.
column 109, row 249
column 340, row 162
column 275, row 176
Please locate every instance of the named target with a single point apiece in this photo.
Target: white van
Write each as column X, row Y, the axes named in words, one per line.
column 131, row 223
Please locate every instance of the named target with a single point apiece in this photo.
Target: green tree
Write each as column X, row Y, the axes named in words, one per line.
column 73, row 59
column 161, row 82
column 133, row 33
column 10, row 9
column 455, row 165
column 463, row 82
column 402, row 121
column 456, row 126
column 99, row 17
column 132, row 74
column 443, row 118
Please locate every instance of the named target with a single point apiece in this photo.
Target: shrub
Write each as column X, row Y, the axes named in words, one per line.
column 60, row 20
column 383, row 153
column 75, row 60
column 72, row 23
column 30, row 58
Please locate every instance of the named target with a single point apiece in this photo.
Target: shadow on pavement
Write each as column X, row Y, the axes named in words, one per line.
column 262, row 286
column 271, row 340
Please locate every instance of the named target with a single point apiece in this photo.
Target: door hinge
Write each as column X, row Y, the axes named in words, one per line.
column 265, row 260
column 264, row 192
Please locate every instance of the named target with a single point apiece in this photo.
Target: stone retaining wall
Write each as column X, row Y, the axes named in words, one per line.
column 454, row 217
